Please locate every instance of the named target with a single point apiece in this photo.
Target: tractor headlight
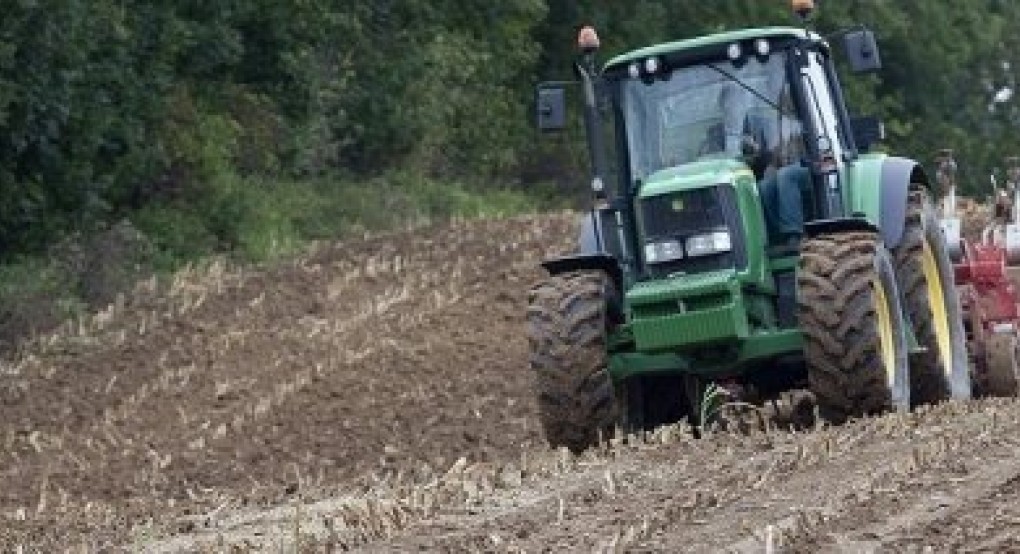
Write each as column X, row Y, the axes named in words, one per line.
column 651, row 65
column 734, row 51
column 709, row 243
column 663, row 251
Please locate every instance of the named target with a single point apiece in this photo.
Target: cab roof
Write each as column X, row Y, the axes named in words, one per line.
column 717, row 39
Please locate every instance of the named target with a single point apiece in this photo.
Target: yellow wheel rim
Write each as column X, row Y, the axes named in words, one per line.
column 886, row 342
column 939, row 313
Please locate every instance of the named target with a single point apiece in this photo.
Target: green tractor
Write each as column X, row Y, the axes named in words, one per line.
column 742, row 238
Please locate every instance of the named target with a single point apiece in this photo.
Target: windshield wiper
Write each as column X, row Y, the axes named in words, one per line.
column 748, row 88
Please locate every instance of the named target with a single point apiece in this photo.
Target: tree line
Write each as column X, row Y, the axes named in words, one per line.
column 109, row 106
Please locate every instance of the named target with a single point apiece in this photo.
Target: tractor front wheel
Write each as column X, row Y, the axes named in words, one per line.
column 567, row 326
column 850, row 315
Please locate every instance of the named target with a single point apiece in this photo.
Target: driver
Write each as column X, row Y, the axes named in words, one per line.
column 772, row 146
column 785, row 177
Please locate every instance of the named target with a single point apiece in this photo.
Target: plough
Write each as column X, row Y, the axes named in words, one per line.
column 987, row 273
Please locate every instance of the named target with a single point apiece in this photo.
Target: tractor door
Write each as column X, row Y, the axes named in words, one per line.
column 829, row 145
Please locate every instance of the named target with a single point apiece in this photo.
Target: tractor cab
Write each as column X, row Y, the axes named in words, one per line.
column 692, row 123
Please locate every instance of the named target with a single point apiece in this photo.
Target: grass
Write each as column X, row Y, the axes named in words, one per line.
column 260, row 219
column 252, row 220
column 35, row 294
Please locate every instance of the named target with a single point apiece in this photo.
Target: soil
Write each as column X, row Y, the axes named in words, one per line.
column 374, row 394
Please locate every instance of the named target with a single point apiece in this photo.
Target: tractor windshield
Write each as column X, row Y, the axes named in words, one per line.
column 710, row 110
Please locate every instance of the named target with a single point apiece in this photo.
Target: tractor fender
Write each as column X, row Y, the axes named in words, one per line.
column 590, row 257
column 897, row 176
column 588, row 242
column 598, row 261
column 837, row 225
column 591, row 254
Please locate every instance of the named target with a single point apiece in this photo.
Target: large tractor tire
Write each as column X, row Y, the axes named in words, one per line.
column 567, row 326
column 925, row 275
column 849, row 312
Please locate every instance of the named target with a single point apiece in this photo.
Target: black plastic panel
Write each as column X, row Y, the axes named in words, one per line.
column 685, row 214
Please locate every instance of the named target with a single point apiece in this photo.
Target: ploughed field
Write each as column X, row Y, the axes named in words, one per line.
column 375, row 394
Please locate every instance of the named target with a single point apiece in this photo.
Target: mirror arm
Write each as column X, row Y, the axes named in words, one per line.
column 844, row 31
column 593, row 124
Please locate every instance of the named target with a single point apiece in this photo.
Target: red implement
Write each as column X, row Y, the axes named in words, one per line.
column 989, row 298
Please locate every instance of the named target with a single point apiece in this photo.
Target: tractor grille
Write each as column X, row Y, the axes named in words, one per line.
column 683, row 214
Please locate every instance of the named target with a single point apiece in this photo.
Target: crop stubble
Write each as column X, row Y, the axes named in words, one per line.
column 375, row 393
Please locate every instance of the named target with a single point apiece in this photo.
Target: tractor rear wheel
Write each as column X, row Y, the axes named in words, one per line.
column 567, row 324
column 850, row 315
column 1003, row 375
column 925, row 275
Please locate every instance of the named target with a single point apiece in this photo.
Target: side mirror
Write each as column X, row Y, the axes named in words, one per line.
column 867, row 131
column 862, row 51
column 551, row 107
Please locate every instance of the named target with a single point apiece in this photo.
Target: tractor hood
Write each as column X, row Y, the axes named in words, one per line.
column 721, row 182
column 694, row 175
